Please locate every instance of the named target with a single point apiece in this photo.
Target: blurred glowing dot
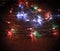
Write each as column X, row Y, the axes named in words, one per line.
column 31, row 29
column 50, row 18
column 47, row 15
column 53, row 28
column 27, row 20
column 39, row 21
column 31, row 5
column 35, row 7
column 36, row 33
column 10, row 11
column 39, row 16
column 8, row 22
column 9, row 33
column 31, row 35
column 12, row 29
column 46, row 18
column 34, row 20
column 39, row 10
column 26, row 3
column 55, row 33
column 58, row 15
column 21, row 6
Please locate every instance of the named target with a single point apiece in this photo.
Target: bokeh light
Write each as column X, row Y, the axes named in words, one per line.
column 10, row 34
column 21, row 15
column 21, row 6
column 36, row 34
column 39, row 10
column 55, row 32
column 35, row 7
